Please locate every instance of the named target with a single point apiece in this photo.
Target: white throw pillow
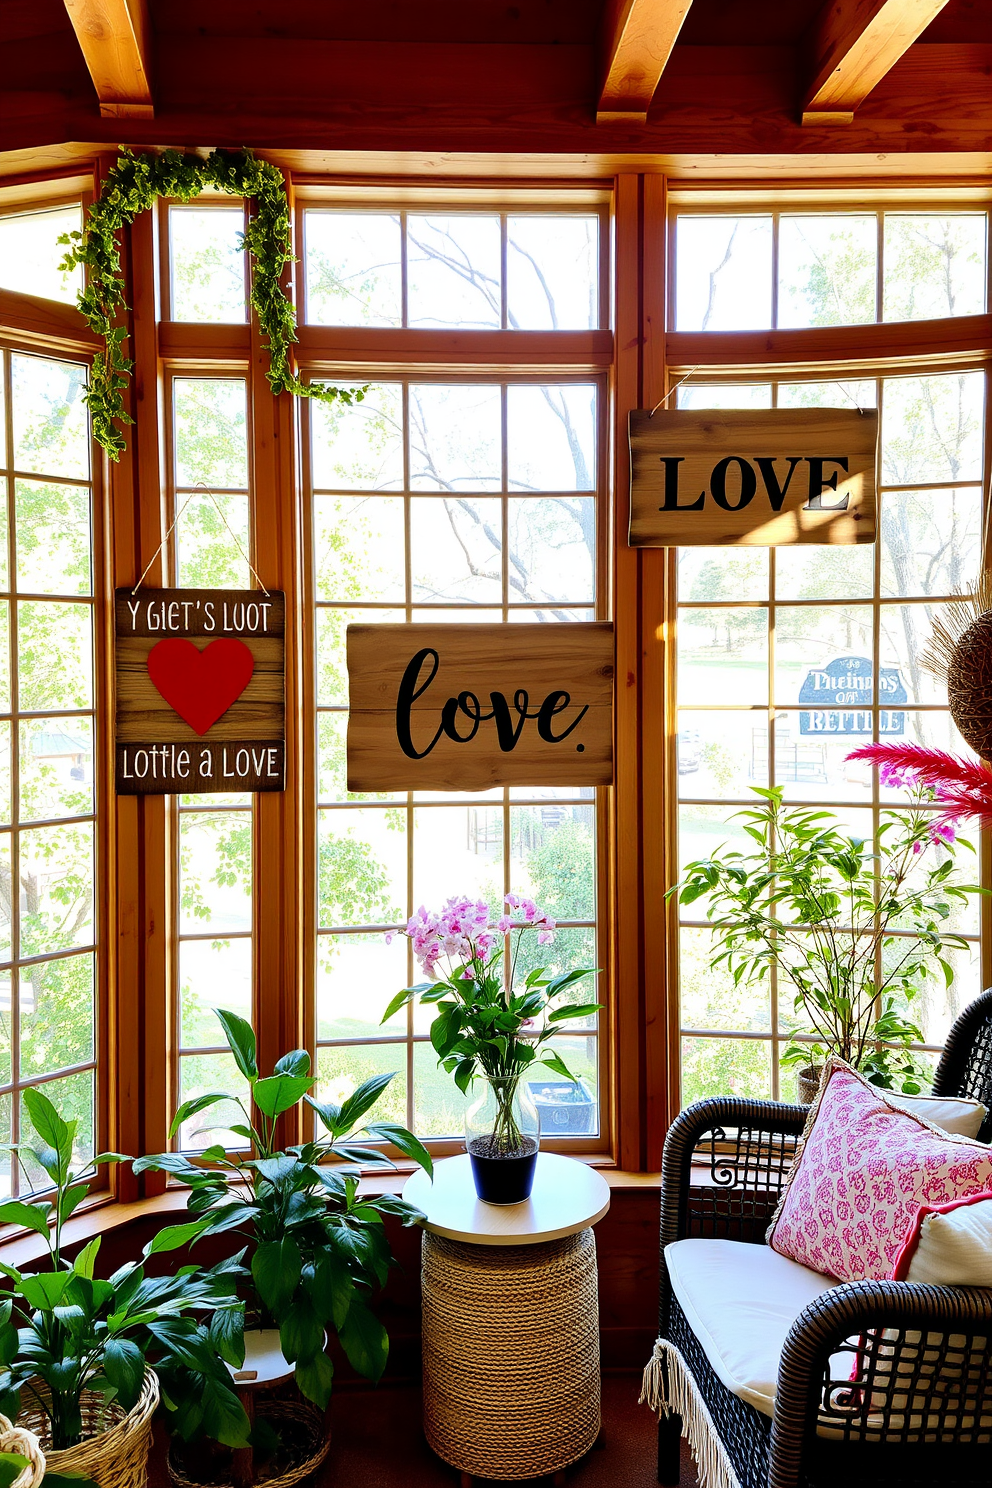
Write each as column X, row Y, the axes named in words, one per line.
column 918, row 1378
column 952, row 1113
column 953, row 1248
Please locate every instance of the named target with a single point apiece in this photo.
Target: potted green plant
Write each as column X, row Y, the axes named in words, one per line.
column 486, row 1029
column 822, row 906
column 319, row 1247
column 76, row 1351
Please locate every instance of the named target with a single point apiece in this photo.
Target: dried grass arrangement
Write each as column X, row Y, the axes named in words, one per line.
column 959, row 653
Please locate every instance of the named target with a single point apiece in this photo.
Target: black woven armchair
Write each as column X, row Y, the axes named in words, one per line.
column 965, row 1066
column 921, row 1411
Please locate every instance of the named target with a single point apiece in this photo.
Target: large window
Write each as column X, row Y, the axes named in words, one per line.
column 470, row 484
column 48, row 805
column 761, row 630
column 446, row 501
column 474, row 497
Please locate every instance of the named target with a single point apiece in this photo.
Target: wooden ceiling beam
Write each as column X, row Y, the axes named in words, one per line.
column 115, row 39
column 637, row 41
column 854, row 44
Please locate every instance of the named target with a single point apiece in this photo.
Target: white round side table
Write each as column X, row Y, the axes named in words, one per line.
column 510, row 1319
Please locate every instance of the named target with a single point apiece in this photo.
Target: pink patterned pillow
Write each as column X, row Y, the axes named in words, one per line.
column 863, row 1167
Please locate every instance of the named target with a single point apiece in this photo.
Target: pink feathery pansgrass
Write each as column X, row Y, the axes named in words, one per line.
column 962, row 786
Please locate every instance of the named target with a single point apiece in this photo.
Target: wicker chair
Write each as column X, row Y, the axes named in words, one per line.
column 965, row 1066
column 934, row 1342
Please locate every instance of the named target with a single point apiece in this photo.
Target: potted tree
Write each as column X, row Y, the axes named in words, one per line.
column 76, row 1351
column 822, row 906
column 487, row 1030
column 319, row 1248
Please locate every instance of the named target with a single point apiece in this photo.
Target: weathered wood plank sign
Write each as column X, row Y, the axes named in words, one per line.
column 200, row 691
column 767, row 477
column 466, row 707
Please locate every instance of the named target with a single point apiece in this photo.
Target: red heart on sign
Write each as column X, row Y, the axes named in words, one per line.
column 200, row 685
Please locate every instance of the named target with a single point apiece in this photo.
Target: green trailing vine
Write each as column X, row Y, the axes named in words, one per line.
column 132, row 186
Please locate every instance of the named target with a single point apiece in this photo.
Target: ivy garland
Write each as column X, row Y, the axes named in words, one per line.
column 132, row 186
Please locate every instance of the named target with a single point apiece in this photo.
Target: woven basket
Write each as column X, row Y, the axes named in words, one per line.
column 306, row 1442
column 25, row 1444
column 511, row 1354
column 114, row 1448
column 969, row 686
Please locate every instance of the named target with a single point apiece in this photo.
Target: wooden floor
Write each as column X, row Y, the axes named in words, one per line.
column 378, row 1443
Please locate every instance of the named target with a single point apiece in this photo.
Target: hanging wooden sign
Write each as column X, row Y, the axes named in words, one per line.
column 467, row 707
column 767, row 477
column 200, row 691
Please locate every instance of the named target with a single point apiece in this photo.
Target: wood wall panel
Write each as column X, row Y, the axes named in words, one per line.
column 627, row 1255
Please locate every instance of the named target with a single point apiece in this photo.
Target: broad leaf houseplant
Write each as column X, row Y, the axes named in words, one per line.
column 319, row 1247
column 77, row 1351
column 491, row 1032
column 822, row 907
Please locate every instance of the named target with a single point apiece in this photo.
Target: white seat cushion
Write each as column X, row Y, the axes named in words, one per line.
column 740, row 1301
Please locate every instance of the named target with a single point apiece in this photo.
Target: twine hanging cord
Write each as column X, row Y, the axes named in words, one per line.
column 206, row 491
column 674, row 389
column 691, row 370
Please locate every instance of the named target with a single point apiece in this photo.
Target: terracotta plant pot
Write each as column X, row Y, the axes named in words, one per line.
column 808, row 1083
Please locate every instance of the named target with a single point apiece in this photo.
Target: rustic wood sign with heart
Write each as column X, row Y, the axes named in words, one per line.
column 200, row 691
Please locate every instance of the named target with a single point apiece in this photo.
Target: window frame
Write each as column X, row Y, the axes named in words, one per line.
column 175, row 497
column 706, row 203
column 228, row 349
column 213, row 201
column 603, row 1143
column 796, row 354
column 47, row 338
column 640, row 357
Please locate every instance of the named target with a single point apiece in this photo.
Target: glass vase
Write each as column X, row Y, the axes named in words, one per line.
column 502, row 1137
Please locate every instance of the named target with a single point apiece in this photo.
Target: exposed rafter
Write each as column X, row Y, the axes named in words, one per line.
column 855, row 43
column 115, row 39
column 637, row 41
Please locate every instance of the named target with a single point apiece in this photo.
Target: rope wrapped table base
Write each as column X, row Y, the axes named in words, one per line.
column 511, row 1354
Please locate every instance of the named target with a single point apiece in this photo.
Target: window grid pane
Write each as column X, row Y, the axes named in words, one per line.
column 214, row 867
column 48, row 928
column 441, row 537
column 30, row 252
column 207, row 263
column 769, row 270
column 459, row 270
column 752, row 624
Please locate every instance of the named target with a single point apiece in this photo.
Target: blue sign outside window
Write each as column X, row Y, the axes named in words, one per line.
column 843, row 692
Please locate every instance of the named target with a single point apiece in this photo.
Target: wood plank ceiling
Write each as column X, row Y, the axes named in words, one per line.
column 535, row 77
